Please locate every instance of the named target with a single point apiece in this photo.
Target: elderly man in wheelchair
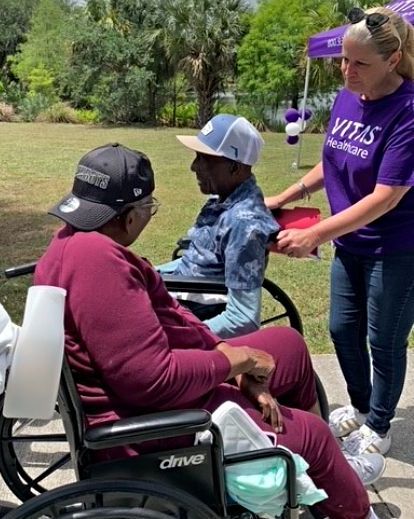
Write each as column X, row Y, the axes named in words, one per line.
column 134, row 351
column 229, row 238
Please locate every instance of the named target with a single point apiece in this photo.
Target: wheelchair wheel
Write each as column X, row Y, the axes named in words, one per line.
column 114, row 499
column 283, row 311
column 278, row 308
column 31, row 451
column 322, row 398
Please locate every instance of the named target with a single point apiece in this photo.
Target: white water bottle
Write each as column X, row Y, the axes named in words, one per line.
column 34, row 376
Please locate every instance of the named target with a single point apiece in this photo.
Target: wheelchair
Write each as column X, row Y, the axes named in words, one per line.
column 185, row 483
column 27, row 478
column 281, row 309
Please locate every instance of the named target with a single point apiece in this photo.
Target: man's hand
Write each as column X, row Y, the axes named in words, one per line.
column 259, row 395
column 243, row 359
column 264, row 365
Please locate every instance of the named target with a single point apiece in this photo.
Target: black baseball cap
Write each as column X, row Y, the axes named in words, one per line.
column 106, row 180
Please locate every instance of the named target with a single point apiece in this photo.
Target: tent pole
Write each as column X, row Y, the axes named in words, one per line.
column 296, row 164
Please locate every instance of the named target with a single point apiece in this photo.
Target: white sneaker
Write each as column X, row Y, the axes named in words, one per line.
column 365, row 440
column 345, row 420
column 369, row 467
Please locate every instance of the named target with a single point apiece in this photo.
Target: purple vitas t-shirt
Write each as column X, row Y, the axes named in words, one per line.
column 369, row 143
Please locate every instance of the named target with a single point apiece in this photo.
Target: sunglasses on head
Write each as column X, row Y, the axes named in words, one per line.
column 373, row 20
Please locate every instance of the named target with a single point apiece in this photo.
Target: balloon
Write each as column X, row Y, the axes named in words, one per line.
column 292, row 139
column 291, row 115
column 308, row 113
column 292, row 129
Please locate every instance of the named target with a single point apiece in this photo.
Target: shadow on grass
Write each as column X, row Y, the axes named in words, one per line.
column 305, row 167
column 24, row 235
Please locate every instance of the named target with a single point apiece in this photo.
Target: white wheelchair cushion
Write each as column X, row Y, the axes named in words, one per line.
column 240, row 433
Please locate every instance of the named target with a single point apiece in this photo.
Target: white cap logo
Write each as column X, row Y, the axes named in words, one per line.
column 137, row 191
column 70, row 205
column 208, row 128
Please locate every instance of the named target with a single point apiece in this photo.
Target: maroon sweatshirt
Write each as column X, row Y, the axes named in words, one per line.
column 132, row 347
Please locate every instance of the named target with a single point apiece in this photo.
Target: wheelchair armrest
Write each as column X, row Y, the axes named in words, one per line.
column 241, row 457
column 154, row 426
column 271, row 452
column 20, row 270
column 194, row 284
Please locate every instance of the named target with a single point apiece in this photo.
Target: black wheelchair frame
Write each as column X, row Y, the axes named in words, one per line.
column 116, row 488
column 20, row 481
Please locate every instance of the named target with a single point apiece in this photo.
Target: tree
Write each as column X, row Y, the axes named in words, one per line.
column 201, row 37
column 14, row 21
column 44, row 55
column 118, row 63
column 271, row 57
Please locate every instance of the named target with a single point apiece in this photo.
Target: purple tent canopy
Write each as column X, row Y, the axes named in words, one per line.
column 329, row 44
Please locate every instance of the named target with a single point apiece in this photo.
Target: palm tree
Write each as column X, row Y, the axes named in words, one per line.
column 201, row 37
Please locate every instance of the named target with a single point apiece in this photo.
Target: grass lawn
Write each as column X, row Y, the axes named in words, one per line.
column 37, row 162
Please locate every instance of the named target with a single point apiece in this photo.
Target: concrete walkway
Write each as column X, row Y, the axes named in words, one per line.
column 392, row 496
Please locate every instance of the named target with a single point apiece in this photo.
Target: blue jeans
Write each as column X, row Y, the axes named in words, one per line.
column 372, row 297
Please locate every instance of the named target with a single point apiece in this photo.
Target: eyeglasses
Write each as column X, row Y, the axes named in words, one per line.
column 153, row 206
column 373, row 20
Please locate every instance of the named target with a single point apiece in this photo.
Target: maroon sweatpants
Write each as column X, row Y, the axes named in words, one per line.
column 293, row 385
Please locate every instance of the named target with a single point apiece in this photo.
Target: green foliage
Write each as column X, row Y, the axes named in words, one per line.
column 43, row 57
column 319, row 121
column 201, row 38
column 245, row 110
column 271, row 57
column 117, row 65
column 31, row 106
column 41, row 81
column 58, row 113
column 85, row 116
column 123, row 98
column 126, row 54
column 11, row 92
column 185, row 115
column 14, row 21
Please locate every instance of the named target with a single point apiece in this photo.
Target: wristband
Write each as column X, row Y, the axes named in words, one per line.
column 304, row 191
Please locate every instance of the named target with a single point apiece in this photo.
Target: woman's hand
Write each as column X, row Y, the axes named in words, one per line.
column 297, row 243
column 258, row 394
column 272, row 202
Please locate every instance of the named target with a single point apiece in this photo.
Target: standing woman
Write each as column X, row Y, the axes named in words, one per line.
column 367, row 170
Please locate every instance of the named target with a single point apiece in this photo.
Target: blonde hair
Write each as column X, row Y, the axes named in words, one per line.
column 396, row 34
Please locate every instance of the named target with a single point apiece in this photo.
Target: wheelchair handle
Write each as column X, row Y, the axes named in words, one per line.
column 20, row 270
